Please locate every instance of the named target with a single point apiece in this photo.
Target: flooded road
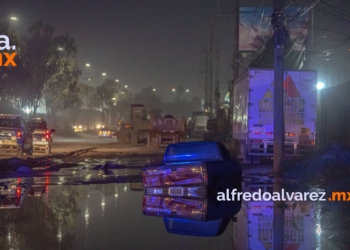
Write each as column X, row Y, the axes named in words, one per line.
column 107, row 216
column 99, row 203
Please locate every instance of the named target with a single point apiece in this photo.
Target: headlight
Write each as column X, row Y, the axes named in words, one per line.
column 75, row 127
column 80, row 126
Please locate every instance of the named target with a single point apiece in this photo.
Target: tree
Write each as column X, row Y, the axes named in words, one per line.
column 37, row 52
column 89, row 101
column 13, row 80
column 106, row 92
column 61, row 91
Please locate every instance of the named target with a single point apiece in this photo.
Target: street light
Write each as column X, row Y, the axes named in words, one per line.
column 60, row 48
column 173, row 89
column 320, row 85
column 154, row 90
column 187, row 90
column 116, row 80
column 126, row 86
column 92, row 78
column 13, row 18
column 87, row 65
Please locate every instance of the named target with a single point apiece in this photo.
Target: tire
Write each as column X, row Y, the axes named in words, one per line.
column 20, row 152
column 48, row 150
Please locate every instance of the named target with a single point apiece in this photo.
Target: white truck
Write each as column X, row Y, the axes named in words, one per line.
column 254, row 227
column 253, row 103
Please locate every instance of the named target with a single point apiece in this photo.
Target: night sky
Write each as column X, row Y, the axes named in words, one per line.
column 141, row 42
column 156, row 43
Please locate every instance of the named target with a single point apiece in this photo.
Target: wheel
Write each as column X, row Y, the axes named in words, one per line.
column 20, row 152
column 48, row 150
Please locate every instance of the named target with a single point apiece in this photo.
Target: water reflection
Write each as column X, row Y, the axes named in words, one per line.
column 44, row 216
column 63, row 217
column 204, row 217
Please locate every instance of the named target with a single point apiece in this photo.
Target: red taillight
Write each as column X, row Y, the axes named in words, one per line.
column 19, row 134
column 47, row 135
column 18, row 191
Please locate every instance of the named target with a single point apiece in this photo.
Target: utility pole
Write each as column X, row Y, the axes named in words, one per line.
column 235, row 64
column 278, row 22
column 211, row 71
column 310, row 41
column 206, row 83
column 217, row 76
column 109, row 117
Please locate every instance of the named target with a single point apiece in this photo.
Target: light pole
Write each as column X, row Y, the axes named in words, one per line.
column 319, row 123
column 109, row 115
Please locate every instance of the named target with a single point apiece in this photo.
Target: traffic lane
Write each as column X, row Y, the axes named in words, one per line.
column 84, row 139
column 62, row 144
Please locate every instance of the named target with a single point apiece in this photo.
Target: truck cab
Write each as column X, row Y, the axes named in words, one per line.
column 15, row 136
column 42, row 135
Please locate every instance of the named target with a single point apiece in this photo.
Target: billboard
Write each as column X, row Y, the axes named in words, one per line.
column 255, row 26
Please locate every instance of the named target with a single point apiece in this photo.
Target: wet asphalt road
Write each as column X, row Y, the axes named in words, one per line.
column 67, row 144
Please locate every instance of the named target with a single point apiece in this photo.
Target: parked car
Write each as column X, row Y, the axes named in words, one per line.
column 42, row 135
column 105, row 133
column 15, row 136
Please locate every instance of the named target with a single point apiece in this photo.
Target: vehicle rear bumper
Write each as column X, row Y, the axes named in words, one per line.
column 105, row 136
column 40, row 145
column 291, row 148
column 9, row 146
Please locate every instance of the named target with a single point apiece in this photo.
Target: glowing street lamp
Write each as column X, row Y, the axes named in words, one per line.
column 117, row 80
column 154, row 90
column 320, row 85
column 126, row 86
column 60, row 49
column 87, row 65
column 187, row 90
column 104, row 74
column 173, row 89
column 13, row 18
